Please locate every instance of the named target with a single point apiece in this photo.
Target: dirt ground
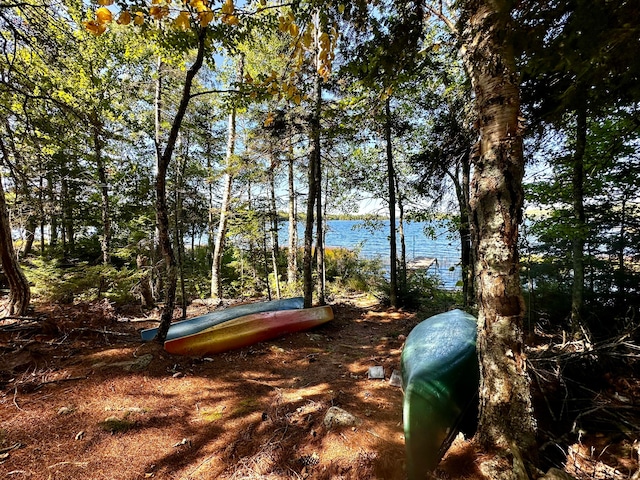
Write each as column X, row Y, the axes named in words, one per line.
column 81, row 397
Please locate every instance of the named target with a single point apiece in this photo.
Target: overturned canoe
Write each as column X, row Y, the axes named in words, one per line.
column 247, row 330
column 440, row 378
column 196, row 324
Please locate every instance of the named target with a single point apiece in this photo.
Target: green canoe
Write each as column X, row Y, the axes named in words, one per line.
column 440, row 382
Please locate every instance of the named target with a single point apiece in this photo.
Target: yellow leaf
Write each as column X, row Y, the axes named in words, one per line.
column 297, row 99
column 269, row 120
column 158, row 13
column 105, row 3
column 183, row 20
column 293, row 30
column 198, row 5
column 230, row 19
column 206, row 18
column 138, row 18
column 124, row 18
column 283, row 24
column 248, row 78
column 306, row 38
column 228, row 7
column 103, row 15
column 95, row 27
column 341, row 9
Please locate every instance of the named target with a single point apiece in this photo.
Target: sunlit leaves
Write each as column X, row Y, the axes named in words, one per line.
column 193, row 13
column 103, row 15
column 95, row 27
column 158, row 12
column 205, row 17
column 182, row 21
column 124, row 18
column 138, row 18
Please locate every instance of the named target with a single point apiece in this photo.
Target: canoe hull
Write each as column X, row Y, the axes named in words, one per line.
column 197, row 324
column 247, row 330
column 440, row 378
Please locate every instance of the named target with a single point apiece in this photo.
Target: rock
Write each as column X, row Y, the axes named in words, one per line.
column 337, row 417
column 556, row 474
column 376, row 372
column 140, row 363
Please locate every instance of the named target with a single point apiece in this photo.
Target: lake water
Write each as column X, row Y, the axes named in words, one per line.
column 374, row 243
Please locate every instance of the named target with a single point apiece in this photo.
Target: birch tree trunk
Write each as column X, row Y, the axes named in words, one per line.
column 506, row 422
column 218, row 247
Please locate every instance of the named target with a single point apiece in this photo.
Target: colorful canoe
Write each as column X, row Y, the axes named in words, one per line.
column 440, row 378
column 247, row 330
column 196, row 324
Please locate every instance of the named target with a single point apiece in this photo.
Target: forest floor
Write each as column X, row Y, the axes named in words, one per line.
column 82, row 397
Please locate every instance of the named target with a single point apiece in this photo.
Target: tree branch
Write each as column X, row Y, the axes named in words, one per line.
column 207, row 92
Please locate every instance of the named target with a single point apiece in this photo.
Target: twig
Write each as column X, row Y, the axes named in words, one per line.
column 12, row 447
column 97, row 330
column 15, row 317
column 60, row 380
column 15, row 402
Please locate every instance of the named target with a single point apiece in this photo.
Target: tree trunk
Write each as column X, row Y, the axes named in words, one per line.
column 218, row 247
column 506, row 420
column 27, row 202
column 312, row 198
column 273, row 217
column 105, row 241
column 68, row 234
column 319, row 214
column 464, row 229
column 179, row 235
column 578, row 241
column 31, row 223
column 51, row 193
column 292, row 254
column 393, row 255
column 162, row 215
column 621, row 295
column 403, row 241
column 19, row 291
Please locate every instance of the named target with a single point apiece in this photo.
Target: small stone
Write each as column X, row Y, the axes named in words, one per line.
column 376, row 372
column 337, row 417
column 80, row 435
column 65, row 410
column 140, row 363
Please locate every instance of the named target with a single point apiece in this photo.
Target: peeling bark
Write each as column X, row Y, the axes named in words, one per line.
column 506, row 420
